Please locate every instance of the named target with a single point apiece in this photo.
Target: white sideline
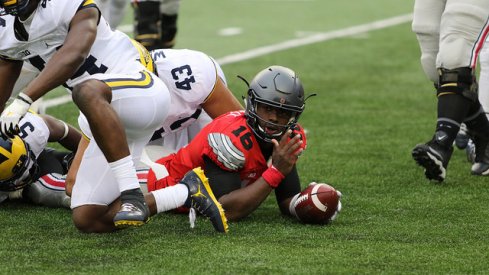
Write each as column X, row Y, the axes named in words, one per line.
column 289, row 44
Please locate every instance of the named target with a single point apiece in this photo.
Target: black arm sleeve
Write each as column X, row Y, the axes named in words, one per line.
column 290, row 186
column 222, row 182
column 50, row 161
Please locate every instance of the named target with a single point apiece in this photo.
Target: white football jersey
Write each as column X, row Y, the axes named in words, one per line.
column 35, row 132
column 190, row 77
column 44, row 32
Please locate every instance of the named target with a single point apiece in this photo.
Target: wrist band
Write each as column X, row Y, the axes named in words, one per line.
column 67, row 130
column 25, row 98
column 273, row 176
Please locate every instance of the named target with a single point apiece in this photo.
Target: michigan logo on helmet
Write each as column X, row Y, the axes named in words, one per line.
column 16, row 163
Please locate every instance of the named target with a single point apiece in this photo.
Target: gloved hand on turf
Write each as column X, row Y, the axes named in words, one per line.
column 9, row 120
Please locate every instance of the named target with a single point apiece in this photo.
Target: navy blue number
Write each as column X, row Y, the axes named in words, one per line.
column 2, row 22
column 88, row 66
column 24, row 128
column 184, row 76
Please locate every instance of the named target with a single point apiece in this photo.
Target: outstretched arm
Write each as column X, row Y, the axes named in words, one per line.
column 242, row 201
column 237, row 202
column 61, row 132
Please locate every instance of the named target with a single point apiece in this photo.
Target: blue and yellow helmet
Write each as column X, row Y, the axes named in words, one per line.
column 17, row 164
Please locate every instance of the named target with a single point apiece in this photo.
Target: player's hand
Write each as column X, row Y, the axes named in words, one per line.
column 286, row 152
column 9, row 120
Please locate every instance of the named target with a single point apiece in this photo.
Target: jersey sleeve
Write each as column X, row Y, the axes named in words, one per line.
column 190, row 75
column 225, row 153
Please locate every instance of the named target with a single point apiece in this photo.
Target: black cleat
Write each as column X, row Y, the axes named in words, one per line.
column 134, row 211
column 203, row 200
column 434, row 160
column 479, row 154
column 470, row 151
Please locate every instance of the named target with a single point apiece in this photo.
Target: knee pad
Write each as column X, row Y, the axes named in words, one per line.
column 46, row 194
column 146, row 18
column 461, row 33
column 457, row 81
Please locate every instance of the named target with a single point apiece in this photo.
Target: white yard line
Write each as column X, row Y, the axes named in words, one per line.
column 320, row 37
column 289, row 44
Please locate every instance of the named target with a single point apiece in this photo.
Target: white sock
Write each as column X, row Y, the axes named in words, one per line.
column 125, row 173
column 170, row 198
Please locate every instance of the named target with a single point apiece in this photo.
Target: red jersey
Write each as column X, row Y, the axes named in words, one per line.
column 228, row 141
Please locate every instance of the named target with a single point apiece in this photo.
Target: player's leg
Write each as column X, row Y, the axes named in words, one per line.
column 94, row 197
column 113, row 124
column 168, row 22
column 146, row 19
column 141, row 110
column 484, row 77
column 48, row 190
column 192, row 191
column 426, row 25
column 460, row 34
column 465, row 37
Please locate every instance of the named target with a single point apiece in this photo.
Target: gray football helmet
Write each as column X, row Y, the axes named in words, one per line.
column 278, row 87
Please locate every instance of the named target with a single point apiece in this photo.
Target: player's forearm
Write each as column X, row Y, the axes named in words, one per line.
column 66, row 61
column 9, row 73
column 241, row 202
column 58, row 70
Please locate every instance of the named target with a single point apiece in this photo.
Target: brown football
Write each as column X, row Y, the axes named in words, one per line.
column 317, row 203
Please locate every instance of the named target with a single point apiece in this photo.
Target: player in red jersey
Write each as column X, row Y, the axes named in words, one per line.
column 234, row 150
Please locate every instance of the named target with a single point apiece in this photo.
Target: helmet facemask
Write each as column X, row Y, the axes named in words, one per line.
column 13, row 7
column 279, row 88
column 263, row 128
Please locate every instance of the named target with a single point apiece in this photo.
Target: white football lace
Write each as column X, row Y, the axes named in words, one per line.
column 301, row 199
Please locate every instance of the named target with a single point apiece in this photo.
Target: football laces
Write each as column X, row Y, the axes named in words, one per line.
column 300, row 199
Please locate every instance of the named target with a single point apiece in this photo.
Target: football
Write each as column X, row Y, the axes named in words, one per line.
column 317, row 203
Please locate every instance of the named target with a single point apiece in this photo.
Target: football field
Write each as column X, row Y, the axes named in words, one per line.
column 374, row 104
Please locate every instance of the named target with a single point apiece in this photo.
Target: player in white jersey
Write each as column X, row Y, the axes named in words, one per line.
column 450, row 35
column 123, row 101
column 31, row 171
column 199, row 94
column 198, row 91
